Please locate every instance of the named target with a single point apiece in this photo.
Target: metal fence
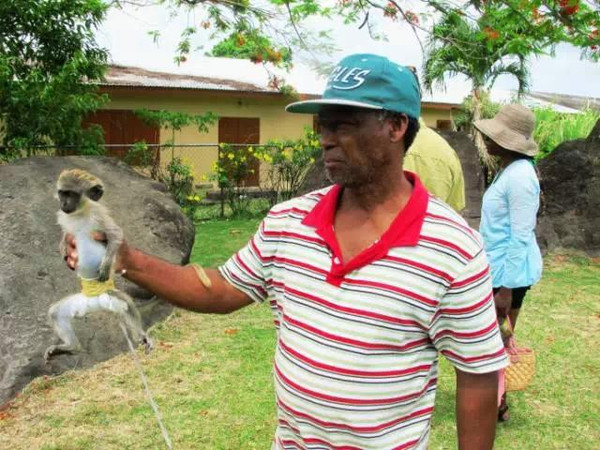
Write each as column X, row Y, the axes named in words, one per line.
column 200, row 157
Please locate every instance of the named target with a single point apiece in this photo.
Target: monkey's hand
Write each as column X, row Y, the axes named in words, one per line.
column 104, row 271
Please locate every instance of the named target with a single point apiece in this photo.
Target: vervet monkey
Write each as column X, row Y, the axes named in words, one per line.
column 81, row 215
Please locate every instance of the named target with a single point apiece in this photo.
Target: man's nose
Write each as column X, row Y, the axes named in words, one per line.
column 328, row 138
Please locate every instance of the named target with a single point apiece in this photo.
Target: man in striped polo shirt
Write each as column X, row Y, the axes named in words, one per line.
column 368, row 280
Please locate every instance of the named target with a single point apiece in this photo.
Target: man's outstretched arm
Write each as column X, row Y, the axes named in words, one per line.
column 176, row 284
column 476, row 409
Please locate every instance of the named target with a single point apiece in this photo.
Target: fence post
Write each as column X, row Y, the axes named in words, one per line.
column 222, row 203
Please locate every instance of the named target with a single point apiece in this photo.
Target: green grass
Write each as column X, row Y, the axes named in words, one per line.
column 247, row 209
column 561, row 321
column 211, row 376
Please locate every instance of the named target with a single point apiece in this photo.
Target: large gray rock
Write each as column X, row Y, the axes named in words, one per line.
column 570, row 176
column 469, row 159
column 33, row 275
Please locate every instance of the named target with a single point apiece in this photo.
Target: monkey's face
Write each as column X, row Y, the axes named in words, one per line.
column 75, row 187
column 69, row 200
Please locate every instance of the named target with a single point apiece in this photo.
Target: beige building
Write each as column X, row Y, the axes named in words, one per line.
column 249, row 113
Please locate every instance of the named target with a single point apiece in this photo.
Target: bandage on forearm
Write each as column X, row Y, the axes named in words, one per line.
column 202, row 275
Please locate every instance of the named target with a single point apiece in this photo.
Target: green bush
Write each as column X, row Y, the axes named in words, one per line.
column 230, row 171
column 464, row 118
column 554, row 128
column 289, row 163
column 178, row 178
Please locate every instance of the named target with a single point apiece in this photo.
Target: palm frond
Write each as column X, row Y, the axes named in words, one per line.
column 517, row 69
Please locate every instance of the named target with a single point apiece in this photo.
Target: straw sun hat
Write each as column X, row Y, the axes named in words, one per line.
column 512, row 129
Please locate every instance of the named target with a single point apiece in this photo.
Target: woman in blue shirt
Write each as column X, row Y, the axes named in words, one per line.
column 509, row 212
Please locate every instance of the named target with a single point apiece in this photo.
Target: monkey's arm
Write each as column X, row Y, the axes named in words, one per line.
column 114, row 238
column 176, row 284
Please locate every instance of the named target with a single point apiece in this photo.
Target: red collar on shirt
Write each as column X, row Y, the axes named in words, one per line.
column 404, row 230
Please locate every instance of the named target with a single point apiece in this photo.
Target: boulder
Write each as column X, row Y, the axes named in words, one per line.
column 33, row 274
column 570, row 178
column 469, row 158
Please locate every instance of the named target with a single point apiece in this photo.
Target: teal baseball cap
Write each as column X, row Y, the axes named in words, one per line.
column 368, row 81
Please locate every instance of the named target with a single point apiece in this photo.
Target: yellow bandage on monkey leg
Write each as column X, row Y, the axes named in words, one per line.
column 93, row 288
column 202, row 275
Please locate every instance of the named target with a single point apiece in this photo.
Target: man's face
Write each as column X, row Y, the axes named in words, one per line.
column 356, row 145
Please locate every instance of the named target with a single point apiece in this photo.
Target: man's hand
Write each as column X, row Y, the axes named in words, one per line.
column 72, row 257
column 503, row 301
column 476, row 409
column 178, row 285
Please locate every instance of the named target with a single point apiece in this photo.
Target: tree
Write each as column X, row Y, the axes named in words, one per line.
column 49, row 61
column 178, row 175
column 464, row 118
column 473, row 48
column 268, row 27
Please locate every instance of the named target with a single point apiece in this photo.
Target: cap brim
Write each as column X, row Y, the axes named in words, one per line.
column 314, row 106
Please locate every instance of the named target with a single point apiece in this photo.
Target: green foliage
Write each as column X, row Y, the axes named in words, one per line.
column 472, row 48
column 543, row 23
column 250, row 44
column 260, row 31
column 177, row 175
column 230, row 171
column 523, row 26
column 175, row 120
column 172, row 121
column 179, row 180
column 471, row 45
column 48, row 62
column 554, row 128
column 289, row 162
column 139, row 155
column 464, row 118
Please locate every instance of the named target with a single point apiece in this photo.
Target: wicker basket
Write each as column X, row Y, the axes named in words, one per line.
column 521, row 369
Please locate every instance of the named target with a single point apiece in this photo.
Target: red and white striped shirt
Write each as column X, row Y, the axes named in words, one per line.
column 357, row 343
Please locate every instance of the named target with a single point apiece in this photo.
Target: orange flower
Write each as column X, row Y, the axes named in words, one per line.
column 412, row 17
column 491, row 33
column 569, row 7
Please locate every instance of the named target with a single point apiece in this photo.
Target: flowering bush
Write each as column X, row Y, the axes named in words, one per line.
column 179, row 179
column 231, row 171
column 289, row 162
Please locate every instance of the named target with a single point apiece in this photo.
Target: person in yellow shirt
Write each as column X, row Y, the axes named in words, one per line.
column 437, row 165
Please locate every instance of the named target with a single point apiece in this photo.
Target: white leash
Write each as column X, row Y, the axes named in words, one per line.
column 148, row 393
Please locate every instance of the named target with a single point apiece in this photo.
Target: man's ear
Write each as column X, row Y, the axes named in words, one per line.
column 95, row 192
column 398, row 127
